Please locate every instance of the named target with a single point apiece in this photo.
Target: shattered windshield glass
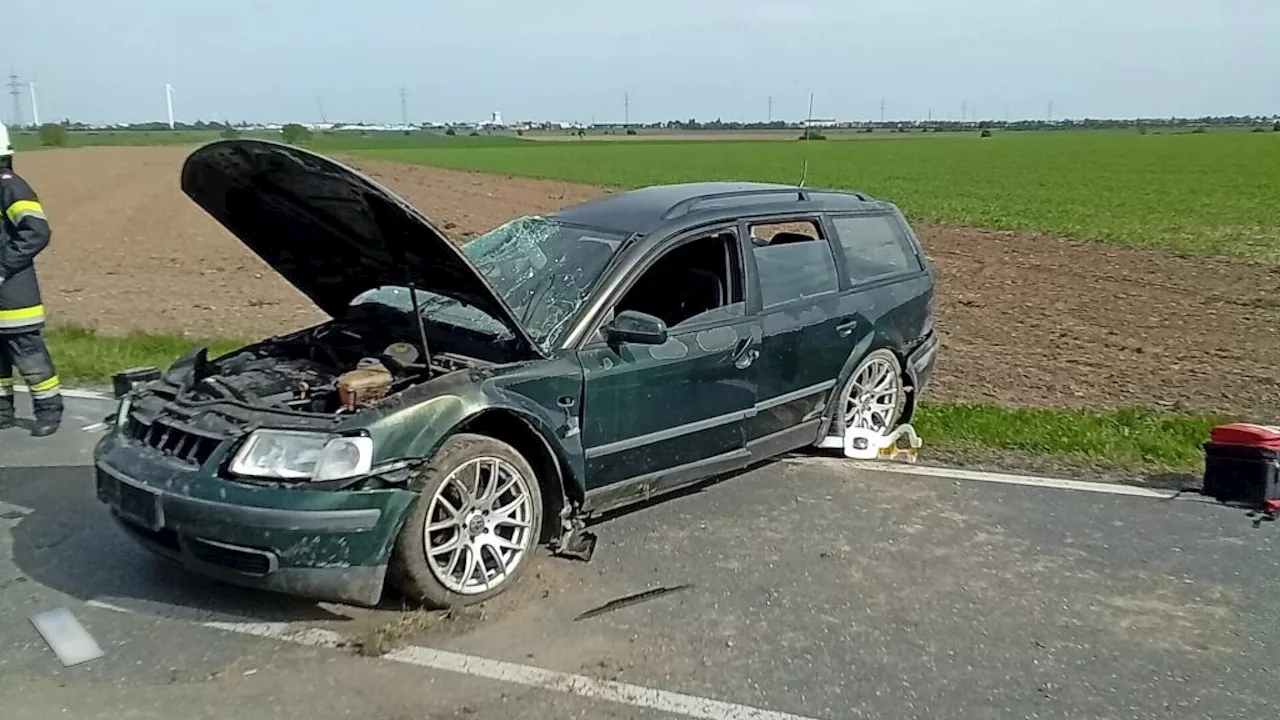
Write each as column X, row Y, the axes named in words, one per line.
column 542, row 268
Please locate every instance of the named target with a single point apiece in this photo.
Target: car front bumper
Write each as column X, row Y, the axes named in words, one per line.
column 321, row 544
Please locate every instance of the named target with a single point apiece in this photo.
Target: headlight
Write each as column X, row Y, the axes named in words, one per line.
column 292, row 455
column 344, row 457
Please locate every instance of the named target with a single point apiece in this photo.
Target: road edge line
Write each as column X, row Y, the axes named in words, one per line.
column 640, row 696
column 1011, row 479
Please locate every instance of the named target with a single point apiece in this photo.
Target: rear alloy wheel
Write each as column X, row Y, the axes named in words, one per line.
column 874, row 397
column 475, row 523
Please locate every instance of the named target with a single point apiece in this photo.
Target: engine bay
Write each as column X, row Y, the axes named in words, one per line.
column 337, row 367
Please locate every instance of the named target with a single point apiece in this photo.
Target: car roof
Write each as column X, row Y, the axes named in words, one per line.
column 642, row 211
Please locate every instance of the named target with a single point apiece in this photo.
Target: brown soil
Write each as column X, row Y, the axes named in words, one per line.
column 1027, row 319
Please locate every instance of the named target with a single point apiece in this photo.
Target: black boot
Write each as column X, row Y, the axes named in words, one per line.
column 44, row 427
column 7, row 418
column 48, row 416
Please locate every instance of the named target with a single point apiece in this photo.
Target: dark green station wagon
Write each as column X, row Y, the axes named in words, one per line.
column 465, row 405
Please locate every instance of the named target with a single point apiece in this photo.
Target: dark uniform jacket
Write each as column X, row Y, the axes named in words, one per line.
column 24, row 232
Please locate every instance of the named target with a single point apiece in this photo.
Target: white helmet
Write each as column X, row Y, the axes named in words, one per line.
column 6, row 148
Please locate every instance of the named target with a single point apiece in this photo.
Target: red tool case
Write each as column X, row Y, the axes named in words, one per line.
column 1242, row 465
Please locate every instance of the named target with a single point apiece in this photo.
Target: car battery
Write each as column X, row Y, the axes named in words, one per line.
column 1242, row 465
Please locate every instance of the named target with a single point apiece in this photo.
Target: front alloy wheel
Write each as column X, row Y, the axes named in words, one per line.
column 475, row 523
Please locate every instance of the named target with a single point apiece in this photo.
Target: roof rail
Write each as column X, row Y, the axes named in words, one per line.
column 687, row 205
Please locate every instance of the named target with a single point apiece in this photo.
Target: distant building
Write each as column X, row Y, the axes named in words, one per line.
column 821, row 122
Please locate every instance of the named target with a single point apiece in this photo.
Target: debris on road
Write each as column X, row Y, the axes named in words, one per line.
column 862, row 444
column 66, row 636
column 630, row 600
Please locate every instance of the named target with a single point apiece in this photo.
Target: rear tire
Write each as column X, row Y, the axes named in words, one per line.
column 475, row 524
column 875, row 396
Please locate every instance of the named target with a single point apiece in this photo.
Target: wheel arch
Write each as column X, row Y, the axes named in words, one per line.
column 865, row 347
column 526, row 436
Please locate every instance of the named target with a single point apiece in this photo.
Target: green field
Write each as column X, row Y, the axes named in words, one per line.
column 1196, row 194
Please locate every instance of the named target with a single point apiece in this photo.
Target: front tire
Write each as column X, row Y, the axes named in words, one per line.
column 470, row 533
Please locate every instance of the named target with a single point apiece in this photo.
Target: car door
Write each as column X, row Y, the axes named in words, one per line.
column 661, row 415
column 805, row 330
column 887, row 287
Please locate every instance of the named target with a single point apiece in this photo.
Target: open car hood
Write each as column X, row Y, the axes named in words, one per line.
column 331, row 231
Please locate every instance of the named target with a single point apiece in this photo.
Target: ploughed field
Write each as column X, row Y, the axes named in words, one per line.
column 1029, row 319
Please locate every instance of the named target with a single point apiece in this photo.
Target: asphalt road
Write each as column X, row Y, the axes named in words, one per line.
column 816, row 590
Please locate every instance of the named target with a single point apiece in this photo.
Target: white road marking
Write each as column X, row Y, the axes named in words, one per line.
column 623, row 693
column 1030, row 480
column 612, row 691
column 102, row 605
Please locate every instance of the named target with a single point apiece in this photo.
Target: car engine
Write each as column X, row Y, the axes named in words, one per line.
column 339, row 366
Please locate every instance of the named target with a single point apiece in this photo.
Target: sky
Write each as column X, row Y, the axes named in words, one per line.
column 104, row 61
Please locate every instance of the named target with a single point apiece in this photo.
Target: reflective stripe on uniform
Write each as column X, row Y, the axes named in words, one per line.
column 6, row 386
column 46, row 389
column 24, row 208
column 22, row 317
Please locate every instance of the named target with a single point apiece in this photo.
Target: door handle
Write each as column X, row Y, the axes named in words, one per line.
column 846, row 328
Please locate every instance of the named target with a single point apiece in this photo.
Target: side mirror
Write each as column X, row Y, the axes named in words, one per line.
column 636, row 327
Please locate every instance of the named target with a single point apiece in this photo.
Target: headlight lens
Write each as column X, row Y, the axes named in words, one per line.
column 344, row 457
column 291, row 455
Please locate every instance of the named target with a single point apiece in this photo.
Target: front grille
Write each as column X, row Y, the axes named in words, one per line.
column 178, row 443
column 241, row 559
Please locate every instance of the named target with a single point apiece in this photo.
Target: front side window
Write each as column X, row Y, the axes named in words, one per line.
column 793, row 261
column 698, row 281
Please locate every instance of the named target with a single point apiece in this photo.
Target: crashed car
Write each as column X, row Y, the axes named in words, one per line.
column 465, row 406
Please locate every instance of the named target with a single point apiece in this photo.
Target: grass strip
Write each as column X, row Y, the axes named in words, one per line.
column 1129, row 438
column 1132, row 438
column 87, row 357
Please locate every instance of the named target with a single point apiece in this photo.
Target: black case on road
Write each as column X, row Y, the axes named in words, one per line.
column 1242, row 465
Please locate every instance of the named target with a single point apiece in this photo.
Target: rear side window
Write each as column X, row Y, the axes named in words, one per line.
column 793, row 261
column 874, row 246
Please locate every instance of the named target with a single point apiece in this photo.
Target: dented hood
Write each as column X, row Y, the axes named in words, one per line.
column 331, row 231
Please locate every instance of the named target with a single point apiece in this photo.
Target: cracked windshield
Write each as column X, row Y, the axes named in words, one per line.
column 543, row 269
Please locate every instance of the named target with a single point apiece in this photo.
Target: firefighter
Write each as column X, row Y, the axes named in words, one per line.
column 24, row 232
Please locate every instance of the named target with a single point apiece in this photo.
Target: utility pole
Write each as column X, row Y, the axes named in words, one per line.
column 404, row 109
column 1049, row 116
column 770, row 109
column 964, row 111
column 168, row 98
column 881, row 111
column 35, row 107
column 626, row 110
column 15, row 89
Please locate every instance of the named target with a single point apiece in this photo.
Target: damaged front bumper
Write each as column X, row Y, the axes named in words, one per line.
column 320, row 544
